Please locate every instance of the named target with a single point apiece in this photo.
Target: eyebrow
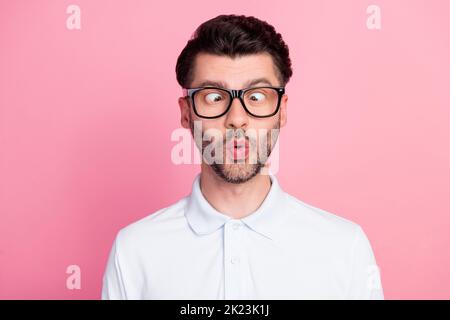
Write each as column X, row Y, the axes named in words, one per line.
column 224, row 85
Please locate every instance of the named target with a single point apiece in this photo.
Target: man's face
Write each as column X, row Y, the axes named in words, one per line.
column 239, row 164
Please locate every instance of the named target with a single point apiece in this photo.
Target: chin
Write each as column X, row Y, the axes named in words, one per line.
column 237, row 173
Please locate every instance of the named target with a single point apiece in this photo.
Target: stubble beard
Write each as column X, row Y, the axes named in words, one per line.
column 240, row 172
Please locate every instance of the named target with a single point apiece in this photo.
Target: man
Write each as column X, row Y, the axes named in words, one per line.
column 238, row 235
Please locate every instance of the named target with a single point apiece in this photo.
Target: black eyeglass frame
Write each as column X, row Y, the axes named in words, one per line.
column 190, row 93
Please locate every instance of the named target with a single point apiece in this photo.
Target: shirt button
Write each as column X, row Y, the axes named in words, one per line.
column 236, row 226
column 234, row 260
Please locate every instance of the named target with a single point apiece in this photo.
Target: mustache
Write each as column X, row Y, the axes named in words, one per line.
column 230, row 134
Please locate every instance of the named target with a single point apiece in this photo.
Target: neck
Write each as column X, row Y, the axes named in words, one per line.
column 234, row 200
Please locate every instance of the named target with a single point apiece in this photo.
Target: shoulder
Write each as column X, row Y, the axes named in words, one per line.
column 318, row 224
column 154, row 226
column 336, row 243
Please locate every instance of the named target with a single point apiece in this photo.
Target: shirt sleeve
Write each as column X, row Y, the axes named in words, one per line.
column 365, row 280
column 113, row 286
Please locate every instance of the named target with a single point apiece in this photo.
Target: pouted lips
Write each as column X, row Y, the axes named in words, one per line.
column 237, row 149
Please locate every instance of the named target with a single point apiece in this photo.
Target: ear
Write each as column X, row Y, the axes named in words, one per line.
column 283, row 110
column 184, row 112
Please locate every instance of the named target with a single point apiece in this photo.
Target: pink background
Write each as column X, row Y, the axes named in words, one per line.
column 86, row 118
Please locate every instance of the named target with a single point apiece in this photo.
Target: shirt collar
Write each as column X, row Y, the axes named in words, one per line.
column 204, row 218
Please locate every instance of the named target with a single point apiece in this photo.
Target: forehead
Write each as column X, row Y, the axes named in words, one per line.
column 234, row 73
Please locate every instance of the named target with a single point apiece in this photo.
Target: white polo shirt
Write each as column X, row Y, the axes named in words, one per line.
column 286, row 249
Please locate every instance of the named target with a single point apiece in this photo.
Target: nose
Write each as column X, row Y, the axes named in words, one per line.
column 236, row 117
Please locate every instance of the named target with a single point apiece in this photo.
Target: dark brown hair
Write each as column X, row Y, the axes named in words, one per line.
column 234, row 35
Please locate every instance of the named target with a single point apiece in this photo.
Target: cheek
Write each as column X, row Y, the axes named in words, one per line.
column 263, row 129
column 217, row 124
column 212, row 129
column 212, row 126
column 265, row 124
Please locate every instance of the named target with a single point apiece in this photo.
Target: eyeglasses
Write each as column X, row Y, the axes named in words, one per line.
column 214, row 102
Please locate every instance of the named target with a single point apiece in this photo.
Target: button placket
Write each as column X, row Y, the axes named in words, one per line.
column 232, row 252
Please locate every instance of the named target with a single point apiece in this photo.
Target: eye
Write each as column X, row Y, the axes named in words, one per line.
column 213, row 97
column 257, row 96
